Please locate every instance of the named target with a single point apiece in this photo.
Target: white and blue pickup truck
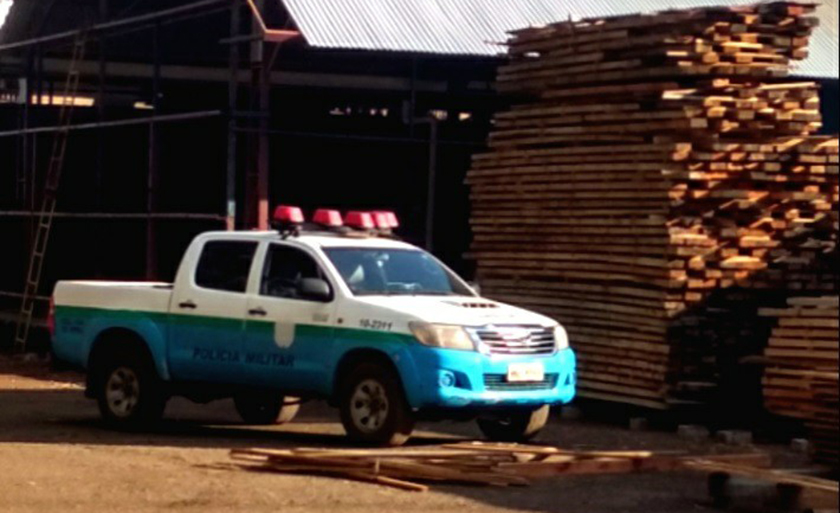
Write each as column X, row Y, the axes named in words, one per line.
column 379, row 328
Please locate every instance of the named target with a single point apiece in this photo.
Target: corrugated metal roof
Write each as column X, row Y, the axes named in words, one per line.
column 5, row 7
column 478, row 27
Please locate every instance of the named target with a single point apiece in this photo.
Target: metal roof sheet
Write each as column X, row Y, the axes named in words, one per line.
column 5, row 7
column 479, row 27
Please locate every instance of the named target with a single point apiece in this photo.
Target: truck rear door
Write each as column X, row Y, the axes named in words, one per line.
column 208, row 314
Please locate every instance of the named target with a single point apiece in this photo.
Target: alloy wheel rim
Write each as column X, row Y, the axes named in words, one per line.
column 122, row 392
column 369, row 406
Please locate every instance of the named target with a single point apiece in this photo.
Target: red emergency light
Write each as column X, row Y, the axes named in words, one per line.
column 381, row 221
column 328, row 218
column 288, row 215
column 360, row 220
column 386, row 220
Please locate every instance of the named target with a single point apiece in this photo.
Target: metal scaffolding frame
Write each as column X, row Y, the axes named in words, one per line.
column 249, row 77
column 262, row 42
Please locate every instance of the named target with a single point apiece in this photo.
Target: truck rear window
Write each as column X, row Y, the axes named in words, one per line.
column 225, row 265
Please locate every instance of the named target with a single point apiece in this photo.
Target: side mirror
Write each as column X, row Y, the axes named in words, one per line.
column 315, row 289
column 475, row 286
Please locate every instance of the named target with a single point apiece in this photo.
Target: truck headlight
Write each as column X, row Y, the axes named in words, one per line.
column 442, row 336
column 561, row 338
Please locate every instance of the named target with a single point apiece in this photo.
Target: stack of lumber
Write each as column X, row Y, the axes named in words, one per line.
column 757, row 41
column 656, row 164
column 471, row 463
column 801, row 380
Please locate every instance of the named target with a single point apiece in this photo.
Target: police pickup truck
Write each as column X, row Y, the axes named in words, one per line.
column 335, row 309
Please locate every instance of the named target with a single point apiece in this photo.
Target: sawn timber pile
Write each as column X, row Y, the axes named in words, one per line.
column 658, row 172
column 801, row 378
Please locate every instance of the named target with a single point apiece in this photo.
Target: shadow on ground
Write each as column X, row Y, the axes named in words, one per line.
column 55, row 424
column 65, row 416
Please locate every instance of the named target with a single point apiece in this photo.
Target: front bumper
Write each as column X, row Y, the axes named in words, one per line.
column 444, row 378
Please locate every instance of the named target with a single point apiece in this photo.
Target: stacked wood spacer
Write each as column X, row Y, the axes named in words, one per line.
column 656, row 165
column 801, row 380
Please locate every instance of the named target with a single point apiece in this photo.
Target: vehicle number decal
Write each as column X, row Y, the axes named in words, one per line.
column 376, row 325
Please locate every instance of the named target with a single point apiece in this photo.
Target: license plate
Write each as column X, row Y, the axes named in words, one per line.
column 525, row 372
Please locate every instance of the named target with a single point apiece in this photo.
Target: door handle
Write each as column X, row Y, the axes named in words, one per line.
column 188, row 305
column 258, row 312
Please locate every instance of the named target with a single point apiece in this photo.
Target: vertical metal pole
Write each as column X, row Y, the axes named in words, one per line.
column 27, row 108
column 257, row 184
column 35, row 102
column 37, row 91
column 29, row 167
column 39, row 76
column 430, row 205
column 412, row 104
column 154, row 162
column 100, row 109
column 233, row 97
column 263, row 149
column 21, row 174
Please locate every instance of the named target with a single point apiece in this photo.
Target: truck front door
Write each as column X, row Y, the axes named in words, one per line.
column 289, row 337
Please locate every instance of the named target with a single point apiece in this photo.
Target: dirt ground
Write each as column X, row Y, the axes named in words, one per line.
column 55, row 457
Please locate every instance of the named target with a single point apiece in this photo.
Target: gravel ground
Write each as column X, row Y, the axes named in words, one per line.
column 56, row 457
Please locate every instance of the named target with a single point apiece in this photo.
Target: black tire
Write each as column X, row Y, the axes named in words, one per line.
column 129, row 392
column 516, row 426
column 262, row 409
column 375, row 390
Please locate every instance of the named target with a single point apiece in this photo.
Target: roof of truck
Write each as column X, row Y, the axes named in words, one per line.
column 317, row 239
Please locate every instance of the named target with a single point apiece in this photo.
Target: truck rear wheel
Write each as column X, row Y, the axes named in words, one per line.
column 373, row 407
column 128, row 390
column 266, row 409
column 517, row 426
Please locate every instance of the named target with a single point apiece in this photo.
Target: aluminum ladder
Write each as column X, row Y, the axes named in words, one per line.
column 47, row 213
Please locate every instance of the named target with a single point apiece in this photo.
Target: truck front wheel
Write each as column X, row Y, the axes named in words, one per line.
column 266, row 409
column 129, row 391
column 373, row 407
column 516, row 426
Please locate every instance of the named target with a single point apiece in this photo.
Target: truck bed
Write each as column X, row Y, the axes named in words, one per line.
column 84, row 308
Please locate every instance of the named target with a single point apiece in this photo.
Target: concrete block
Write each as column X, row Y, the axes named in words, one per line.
column 30, row 358
column 639, row 424
column 693, row 432
column 734, row 437
column 801, row 446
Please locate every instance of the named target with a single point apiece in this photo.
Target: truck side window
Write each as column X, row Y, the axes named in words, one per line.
column 225, row 265
column 285, row 267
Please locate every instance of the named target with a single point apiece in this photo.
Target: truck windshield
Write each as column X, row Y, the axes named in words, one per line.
column 395, row 272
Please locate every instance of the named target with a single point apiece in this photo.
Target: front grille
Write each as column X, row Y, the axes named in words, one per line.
column 517, row 340
column 499, row 383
